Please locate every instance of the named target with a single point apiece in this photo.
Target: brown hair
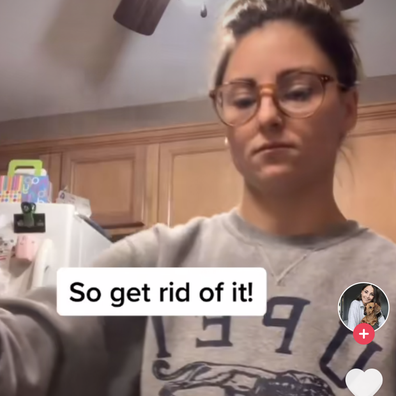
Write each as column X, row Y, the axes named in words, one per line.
column 321, row 18
column 377, row 294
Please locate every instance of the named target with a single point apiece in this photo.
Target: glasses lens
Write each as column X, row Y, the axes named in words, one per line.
column 300, row 94
column 236, row 103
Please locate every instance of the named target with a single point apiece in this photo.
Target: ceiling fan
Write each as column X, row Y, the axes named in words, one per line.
column 143, row 16
column 348, row 4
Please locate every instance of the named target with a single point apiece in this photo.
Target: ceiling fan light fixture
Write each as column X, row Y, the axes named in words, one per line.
column 204, row 11
column 141, row 16
column 348, row 4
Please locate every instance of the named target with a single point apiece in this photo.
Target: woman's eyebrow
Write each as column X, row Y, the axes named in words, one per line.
column 245, row 80
column 297, row 70
column 250, row 80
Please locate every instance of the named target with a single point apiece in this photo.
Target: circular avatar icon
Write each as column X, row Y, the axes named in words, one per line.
column 363, row 303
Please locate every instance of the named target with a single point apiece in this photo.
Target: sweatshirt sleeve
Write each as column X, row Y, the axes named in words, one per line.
column 42, row 353
column 138, row 250
column 353, row 315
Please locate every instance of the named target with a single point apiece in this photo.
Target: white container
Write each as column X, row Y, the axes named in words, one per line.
column 67, row 242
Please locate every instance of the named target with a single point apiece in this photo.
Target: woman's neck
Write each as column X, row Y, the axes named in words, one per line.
column 309, row 210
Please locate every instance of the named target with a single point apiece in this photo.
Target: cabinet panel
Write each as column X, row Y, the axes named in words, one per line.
column 365, row 183
column 113, row 179
column 196, row 178
column 4, row 165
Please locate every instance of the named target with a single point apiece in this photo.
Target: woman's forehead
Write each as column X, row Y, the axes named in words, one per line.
column 265, row 53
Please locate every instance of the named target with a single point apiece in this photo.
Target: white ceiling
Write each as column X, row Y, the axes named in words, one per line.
column 62, row 56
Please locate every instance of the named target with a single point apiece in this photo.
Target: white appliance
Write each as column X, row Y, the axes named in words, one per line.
column 68, row 241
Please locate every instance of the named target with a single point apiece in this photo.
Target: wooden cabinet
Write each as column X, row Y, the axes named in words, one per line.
column 196, row 178
column 112, row 178
column 4, row 161
column 172, row 175
column 365, row 183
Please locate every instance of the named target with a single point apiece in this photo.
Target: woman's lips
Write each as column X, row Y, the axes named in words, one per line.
column 274, row 146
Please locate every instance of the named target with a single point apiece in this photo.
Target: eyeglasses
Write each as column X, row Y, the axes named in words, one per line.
column 296, row 94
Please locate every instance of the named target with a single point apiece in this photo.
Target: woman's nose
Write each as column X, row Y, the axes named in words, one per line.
column 268, row 114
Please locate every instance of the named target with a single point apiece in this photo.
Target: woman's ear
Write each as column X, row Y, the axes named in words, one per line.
column 351, row 101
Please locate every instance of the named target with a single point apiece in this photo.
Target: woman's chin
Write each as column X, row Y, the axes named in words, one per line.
column 277, row 173
column 276, row 180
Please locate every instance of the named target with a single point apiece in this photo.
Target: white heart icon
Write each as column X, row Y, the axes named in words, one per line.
column 364, row 383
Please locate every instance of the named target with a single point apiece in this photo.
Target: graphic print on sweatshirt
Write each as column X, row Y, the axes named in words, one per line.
column 246, row 380
column 239, row 380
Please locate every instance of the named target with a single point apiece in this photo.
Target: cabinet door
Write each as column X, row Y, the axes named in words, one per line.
column 4, row 161
column 365, row 183
column 112, row 178
column 196, row 178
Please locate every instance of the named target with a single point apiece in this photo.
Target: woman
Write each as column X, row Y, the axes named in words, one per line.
column 369, row 293
column 285, row 87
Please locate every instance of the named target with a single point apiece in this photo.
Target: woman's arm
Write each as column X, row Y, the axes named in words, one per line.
column 42, row 353
column 37, row 346
column 381, row 320
column 353, row 315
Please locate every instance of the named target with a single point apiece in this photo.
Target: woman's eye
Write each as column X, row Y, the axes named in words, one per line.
column 298, row 94
column 243, row 103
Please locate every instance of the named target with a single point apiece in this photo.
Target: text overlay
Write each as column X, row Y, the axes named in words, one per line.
column 161, row 291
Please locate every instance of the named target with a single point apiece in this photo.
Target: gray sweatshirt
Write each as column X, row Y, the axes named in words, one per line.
column 299, row 348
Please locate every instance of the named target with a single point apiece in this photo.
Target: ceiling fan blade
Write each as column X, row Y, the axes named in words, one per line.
column 141, row 16
column 348, row 4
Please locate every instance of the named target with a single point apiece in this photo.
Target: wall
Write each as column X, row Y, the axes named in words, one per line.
column 373, row 90
column 107, row 121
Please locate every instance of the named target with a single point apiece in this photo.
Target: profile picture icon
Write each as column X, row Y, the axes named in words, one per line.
column 363, row 303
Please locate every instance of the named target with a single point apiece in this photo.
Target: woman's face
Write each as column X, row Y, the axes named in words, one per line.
column 263, row 55
column 367, row 294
